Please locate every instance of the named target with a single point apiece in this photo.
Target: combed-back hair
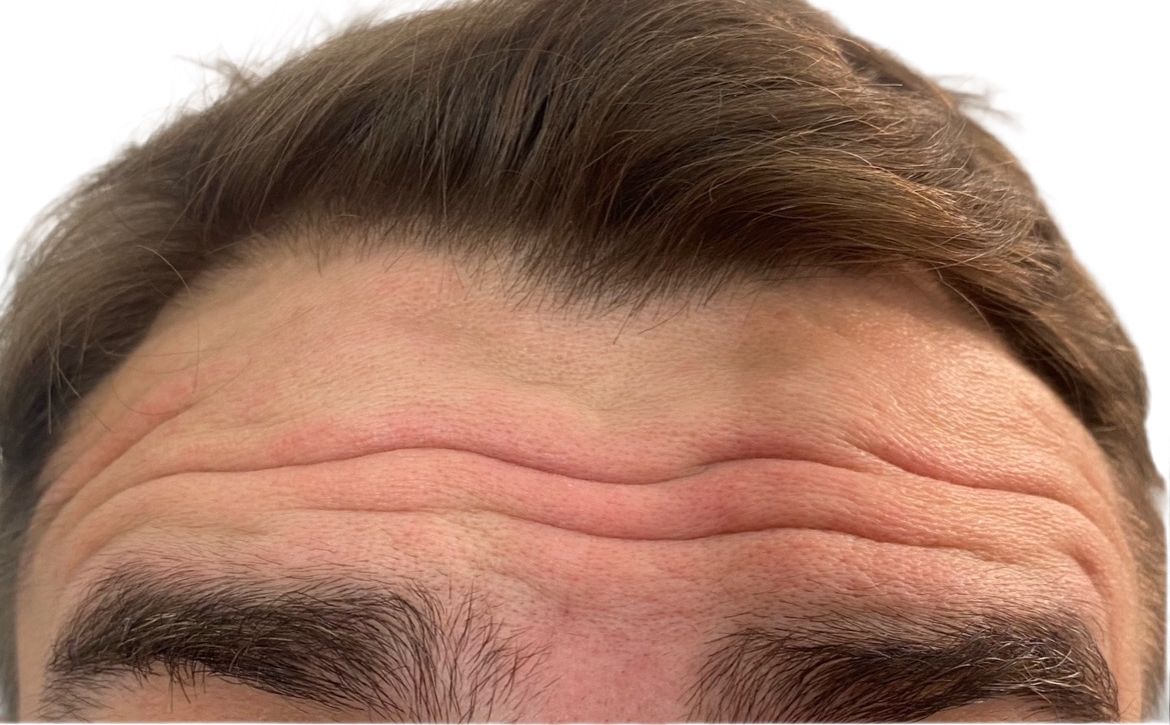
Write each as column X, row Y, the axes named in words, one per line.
column 613, row 151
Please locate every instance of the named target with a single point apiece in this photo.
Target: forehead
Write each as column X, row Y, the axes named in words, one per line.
column 880, row 403
column 291, row 362
column 421, row 333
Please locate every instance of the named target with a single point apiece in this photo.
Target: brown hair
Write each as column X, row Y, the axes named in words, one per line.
column 617, row 151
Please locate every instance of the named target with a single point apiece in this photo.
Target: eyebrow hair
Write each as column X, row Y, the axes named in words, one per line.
column 393, row 650
column 849, row 666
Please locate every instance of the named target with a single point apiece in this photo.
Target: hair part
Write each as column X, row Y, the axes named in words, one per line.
column 613, row 152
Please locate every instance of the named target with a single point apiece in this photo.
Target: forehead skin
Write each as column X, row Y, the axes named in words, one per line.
column 614, row 482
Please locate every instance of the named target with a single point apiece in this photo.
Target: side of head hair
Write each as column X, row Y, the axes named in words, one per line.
column 615, row 152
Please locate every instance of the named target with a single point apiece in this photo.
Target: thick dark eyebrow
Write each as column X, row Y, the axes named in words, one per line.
column 850, row 666
column 395, row 650
column 391, row 650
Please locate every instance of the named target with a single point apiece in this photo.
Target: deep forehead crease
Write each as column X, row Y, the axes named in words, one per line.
column 531, row 492
column 220, row 383
column 719, row 498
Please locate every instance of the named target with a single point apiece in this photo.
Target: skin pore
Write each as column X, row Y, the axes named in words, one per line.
column 612, row 485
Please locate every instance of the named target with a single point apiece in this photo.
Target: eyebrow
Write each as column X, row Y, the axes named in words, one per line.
column 390, row 649
column 883, row 666
column 395, row 650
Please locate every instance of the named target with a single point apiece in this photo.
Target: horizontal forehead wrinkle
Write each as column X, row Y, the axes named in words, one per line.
column 852, row 666
column 728, row 372
column 391, row 649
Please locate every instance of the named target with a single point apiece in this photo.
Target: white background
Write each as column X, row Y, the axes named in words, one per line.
column 1085, row 83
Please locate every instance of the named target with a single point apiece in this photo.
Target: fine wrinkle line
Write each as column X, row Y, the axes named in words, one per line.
column 1075, row 506
column 1089, row 571
column 1117, row 542
column 1093, row 573
column 66, row 468
column 116, row 493
column 692, row 472
column 158, row 477
column 970, row 553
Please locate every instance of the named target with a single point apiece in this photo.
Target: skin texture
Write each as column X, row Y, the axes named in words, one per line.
column 613, row 483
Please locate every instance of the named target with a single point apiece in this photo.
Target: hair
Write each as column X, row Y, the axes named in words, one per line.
column 616, row 152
